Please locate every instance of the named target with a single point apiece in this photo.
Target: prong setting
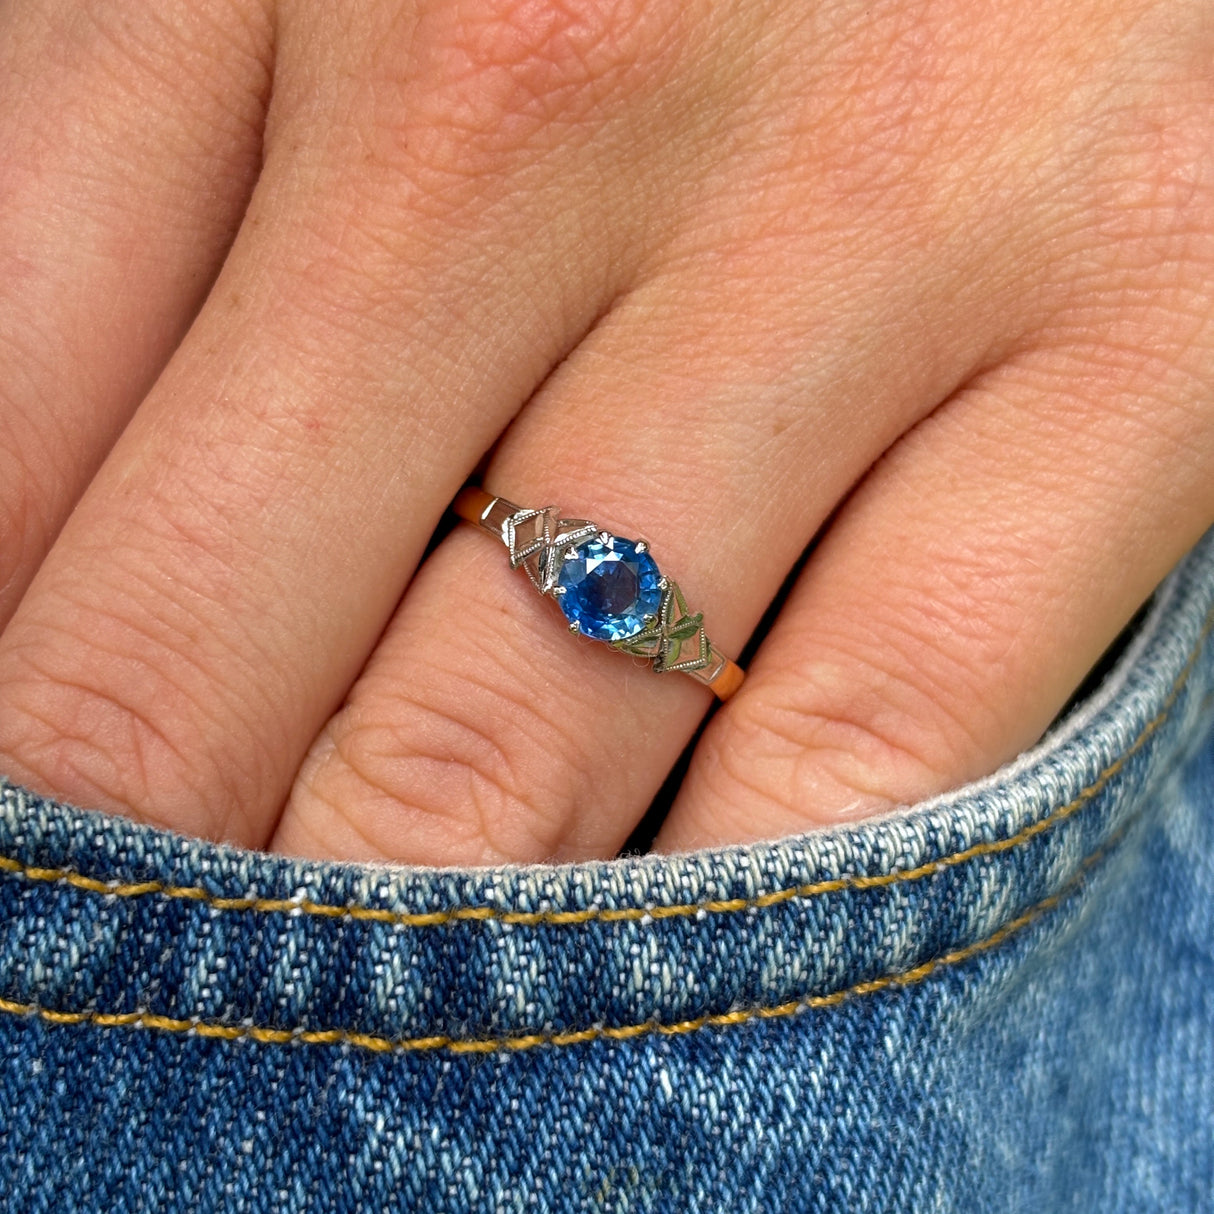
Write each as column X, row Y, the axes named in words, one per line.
column 618, row 595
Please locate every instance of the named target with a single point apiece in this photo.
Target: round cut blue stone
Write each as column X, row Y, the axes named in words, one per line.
column 609, row 588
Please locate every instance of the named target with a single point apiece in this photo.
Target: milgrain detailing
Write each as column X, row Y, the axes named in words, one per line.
column 605, row 914
column 514, row 1044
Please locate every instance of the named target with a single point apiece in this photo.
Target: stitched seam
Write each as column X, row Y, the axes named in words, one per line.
column 118, row 889
column 518, row 1043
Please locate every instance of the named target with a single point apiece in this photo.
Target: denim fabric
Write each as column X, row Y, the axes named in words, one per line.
column 999, row 1000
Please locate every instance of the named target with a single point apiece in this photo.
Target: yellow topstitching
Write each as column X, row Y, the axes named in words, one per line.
column 526, row 1041
column 607, row 914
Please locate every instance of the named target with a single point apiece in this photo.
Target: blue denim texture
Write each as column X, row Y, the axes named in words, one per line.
column 999, row 1000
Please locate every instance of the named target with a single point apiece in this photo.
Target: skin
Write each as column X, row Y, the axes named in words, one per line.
column 928, row 282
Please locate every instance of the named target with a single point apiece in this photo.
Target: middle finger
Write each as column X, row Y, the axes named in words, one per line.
column 406, row 273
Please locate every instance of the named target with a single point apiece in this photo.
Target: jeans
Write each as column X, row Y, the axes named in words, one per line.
column 998, row 1000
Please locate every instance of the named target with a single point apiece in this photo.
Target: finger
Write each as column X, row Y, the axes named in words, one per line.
column 962, row 595
column 392, row 297
column 476, row 734
column 722, row 411
column 481, row 731
column 130, row 136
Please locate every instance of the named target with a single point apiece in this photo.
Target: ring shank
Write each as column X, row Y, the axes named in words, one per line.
column 722, row 674
column 490, row 513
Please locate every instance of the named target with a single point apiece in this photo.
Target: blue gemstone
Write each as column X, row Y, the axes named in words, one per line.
column 609, row 588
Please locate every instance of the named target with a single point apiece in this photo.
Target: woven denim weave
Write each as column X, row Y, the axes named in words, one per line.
column 1000, row 1000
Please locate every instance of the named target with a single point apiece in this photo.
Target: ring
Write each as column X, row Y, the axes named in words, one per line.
column 608, row 588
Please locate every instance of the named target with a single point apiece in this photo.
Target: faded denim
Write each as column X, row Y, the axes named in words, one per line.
column 1000, row 1000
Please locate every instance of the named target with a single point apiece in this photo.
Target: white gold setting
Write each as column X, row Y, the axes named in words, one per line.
column 540, row 541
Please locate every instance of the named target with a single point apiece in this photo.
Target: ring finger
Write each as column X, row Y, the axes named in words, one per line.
column 481, row 731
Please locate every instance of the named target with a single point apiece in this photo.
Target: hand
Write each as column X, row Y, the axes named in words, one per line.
column 929, row 280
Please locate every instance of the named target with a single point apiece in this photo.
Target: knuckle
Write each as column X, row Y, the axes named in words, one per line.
column 505, row 58
column 102, row 701
column 468, row 81
column 807, row 757
column 83, row 739
column 466, row 778
column 872, row 718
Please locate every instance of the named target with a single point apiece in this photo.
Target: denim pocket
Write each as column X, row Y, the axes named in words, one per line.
column 997, row 1000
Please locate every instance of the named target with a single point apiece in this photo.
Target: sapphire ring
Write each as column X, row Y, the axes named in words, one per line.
column 608, row 588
